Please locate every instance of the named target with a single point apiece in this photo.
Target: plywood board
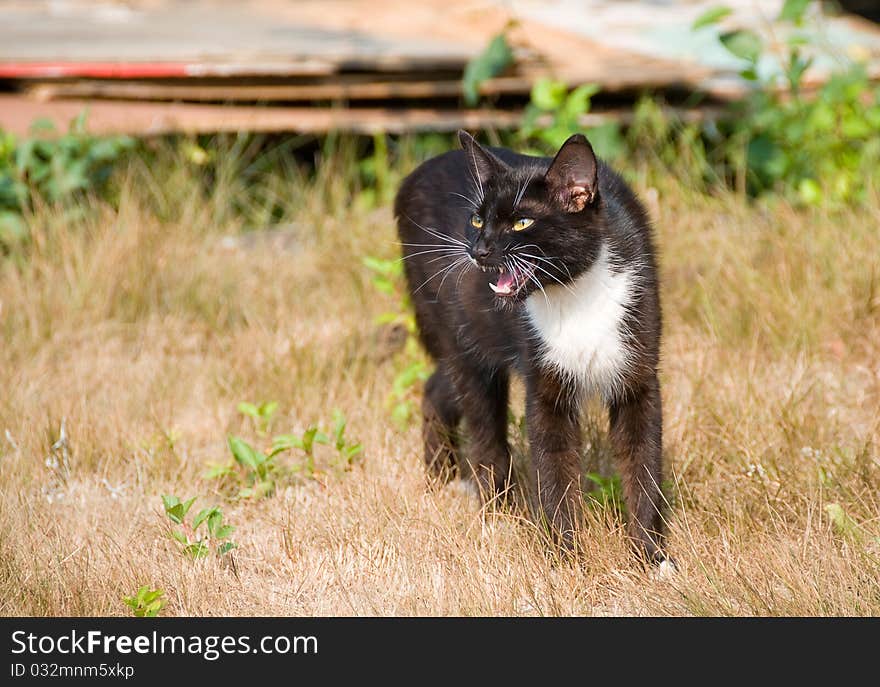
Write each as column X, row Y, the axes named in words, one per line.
column 18, row 112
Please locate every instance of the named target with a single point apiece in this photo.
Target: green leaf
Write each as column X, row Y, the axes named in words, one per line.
column 842, row 522
column 149, row 596
column 313, row 436
column 214, row 520
column 351, row 451
column 711, row 16
column 490, row 63
column 811, row 194
column 401, row 413
column 607, row 140
column 383, row 285
column 179, row 536
column 176, row 514
column 796, row 68
column 203, row 515
column 744, row 44
column 548, row 94
column 248, row 409
column 226, row 547
column 793, row 10
column 78, row 123
column 224, row 531
column 186, row 505
column 284, row 442
column 854, row 126
column 12, row 227
column 263, row 489
column 152, row 610
column 339, row 423
column 218, row 470
column 197, row 550
column 244, row 453
column 174, row 509
column 42, row 125
column 378, row 265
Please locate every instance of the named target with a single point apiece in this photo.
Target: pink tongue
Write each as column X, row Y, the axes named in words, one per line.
column 505, row 281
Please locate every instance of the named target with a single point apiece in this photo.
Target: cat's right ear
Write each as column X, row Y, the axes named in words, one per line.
column 484, row 163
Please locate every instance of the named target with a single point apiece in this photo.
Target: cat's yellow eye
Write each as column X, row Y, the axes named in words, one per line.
column 477, row 221
column 523, row 223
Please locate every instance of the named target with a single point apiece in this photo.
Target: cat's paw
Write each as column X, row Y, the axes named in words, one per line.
column 664, row 570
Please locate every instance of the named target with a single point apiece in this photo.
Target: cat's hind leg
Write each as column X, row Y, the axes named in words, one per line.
column 483, row 395
column 440, row 418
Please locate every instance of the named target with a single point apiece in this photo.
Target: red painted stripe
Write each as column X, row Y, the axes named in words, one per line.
column 99, row 70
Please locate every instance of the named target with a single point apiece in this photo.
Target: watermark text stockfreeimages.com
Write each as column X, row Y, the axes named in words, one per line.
column 210, row 647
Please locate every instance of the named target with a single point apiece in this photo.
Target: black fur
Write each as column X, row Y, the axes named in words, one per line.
column 478, row 338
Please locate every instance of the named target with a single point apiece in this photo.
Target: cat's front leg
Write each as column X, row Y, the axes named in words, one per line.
column 636, row 433
column 552, row 416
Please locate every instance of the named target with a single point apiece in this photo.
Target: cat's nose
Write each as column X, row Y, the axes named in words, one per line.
column 482, row 252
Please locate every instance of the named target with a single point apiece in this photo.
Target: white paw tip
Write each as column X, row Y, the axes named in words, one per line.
column 666, row 570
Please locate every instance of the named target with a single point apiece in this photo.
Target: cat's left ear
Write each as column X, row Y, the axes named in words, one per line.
column 573, row 174
column 484, row 162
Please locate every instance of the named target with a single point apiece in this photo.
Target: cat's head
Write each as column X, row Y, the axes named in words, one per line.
column 532, row 227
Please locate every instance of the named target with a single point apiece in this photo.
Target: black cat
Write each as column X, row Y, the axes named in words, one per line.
column 544, row 267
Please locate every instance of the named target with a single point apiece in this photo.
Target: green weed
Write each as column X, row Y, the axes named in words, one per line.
column 146, row 603
column 412, row 367
column 260, row 413
column 347, row 451
column 812, row 147
column 495, row 58
column 205, row 533
column 552, row 99
column 53, row 170
column 256, row 473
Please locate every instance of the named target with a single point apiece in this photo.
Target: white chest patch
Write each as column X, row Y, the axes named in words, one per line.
column 581, row 328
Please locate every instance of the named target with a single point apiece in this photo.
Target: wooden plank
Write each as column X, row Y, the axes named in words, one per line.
column 17, row 112
column 160, row 70
column 369, row 87
column 207, row 38
column 220, row 92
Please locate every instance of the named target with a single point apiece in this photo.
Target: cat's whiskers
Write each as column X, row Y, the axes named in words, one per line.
column 440, row 257
column 554, row 278
column 530, row 274
column 460, row 275
column 471, row 201
column 451, row 250
column 461, row 261
column 477, row 170
column 442, row 270
column 551, row 264
column 522, row 189
column 442, row 237
column 435, row 233
column 416, row 245
column 546, row 258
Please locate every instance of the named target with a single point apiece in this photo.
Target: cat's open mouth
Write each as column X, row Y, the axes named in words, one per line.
column 511, row 280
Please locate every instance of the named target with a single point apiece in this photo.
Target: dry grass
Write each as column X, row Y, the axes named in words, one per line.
column 130, row 324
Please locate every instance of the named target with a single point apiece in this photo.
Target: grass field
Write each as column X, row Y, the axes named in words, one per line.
column 141, row 328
